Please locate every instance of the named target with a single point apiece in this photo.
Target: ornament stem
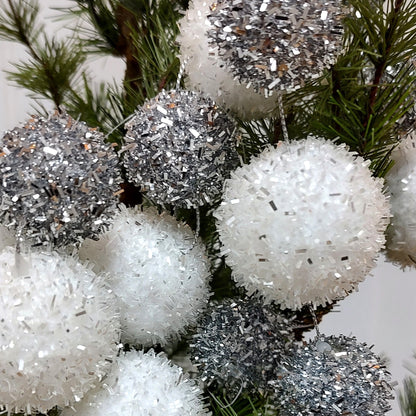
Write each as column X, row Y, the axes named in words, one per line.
column 180, row 74
column 315, row 320
column 198, row 222
column 197, row 228
column 282, row 117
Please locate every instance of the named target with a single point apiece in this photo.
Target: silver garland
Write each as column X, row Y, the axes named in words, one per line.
column 276, row 44
column 58, row 181
column 334, row 376
column 239, row 345
column 180, row 147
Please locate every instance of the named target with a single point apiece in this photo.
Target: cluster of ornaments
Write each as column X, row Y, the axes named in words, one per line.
column 64, row 317
column 301, row 224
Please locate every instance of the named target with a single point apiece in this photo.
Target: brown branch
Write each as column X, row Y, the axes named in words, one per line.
column 128, row 24
column 381, row 66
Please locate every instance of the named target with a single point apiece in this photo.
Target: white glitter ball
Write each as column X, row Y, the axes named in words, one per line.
column 159, row 276
column 241, row 52
column 142, row 385
column 58, row 331
column 302, row 223
column 401, row 182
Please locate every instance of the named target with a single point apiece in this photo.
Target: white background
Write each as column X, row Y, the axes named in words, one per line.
column 382, row 313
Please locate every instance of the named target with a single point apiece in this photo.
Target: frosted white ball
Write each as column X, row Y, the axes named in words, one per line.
column 302, row 223
column 160, row 277
column 58, row 331
column 401, row 184
column 142, row 385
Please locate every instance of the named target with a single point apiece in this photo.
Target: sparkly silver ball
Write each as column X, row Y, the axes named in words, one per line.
column 180, row 147
column 58, row 181
column 239, row 345
column 276, row 43
column 258, row 47
column 334, row 375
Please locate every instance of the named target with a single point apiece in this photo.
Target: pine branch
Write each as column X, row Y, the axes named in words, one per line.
column 53, row 66
column 343, row 104
column 407, row 398
column 19, row 22
column 240, row 406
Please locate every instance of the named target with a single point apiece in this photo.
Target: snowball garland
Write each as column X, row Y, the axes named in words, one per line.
column 401, row 183
column 142, row 385
column 302, row 223
column 180, row 147
column 58, row 180
column 159, row 276
column 239, row 345
column 58, row 331
column 334, row 375
column 242, row 51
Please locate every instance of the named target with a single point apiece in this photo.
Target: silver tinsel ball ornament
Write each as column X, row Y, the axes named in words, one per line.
column 334, row 376
column 59, row 331
column 180, row 147
column 142, row 385
column 158, row 272
column 242, row 51
column 302, row 223
column 239, row 345
column 401, row 185
column 58, row 180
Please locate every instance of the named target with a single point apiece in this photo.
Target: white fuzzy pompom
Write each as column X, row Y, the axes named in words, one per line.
column 401, row 182
column 160, row 277
column 142, row 385
column 302, row 223
column 58, row 331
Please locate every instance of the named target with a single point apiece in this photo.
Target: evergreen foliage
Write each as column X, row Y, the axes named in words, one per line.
column 359, row 101
column 408, row 398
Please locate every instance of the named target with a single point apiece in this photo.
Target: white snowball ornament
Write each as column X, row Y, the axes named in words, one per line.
column 302, row 223
column 241, row 52
column 159, row 276
column 58, row 331
column 142, row 385
column 401, row 183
